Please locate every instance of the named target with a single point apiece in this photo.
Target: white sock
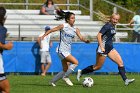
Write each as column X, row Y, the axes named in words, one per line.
column 70, row 70
column 58, row 76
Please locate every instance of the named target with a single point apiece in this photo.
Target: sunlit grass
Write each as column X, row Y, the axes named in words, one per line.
column 103, row 84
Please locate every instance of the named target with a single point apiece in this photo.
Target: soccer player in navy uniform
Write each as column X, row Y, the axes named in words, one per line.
column 105, row 48
column 4, row 83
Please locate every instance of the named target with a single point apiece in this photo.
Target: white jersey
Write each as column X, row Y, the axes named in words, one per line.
column 45, row 43
column 66, row 35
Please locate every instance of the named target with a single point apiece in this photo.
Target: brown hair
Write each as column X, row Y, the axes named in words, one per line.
column 46, row 3
column 68, row 15
column 2, row 15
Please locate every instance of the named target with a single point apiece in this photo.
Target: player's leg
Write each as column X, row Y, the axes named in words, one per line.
column 71, row 68
column 5, row 86
column 42, row 69
column 47, row 66
column 67, row 70
column 60, row 74
column 99, row 62
column 74, row 64
column 115, row 56
column 43, row 62
column 4, row 83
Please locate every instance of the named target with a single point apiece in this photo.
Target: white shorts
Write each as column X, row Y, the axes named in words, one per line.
column 63, row 55
column 1, row 65
column 45, row 57
column 2, row 76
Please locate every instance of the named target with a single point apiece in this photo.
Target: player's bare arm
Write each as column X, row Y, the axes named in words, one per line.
column 50, row 43
column 39, row 41
column 99, row 38
column 53, row 30
column 81, row 37
column 7, row 46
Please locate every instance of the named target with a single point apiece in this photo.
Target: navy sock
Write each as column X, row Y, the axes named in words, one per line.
column 122, row 73
column 87, row 70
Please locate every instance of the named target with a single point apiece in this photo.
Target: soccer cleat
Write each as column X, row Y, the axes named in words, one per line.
column 128, row 81
column 67, row 80
column 52, row 84
column 79, row 74
column 43, row 74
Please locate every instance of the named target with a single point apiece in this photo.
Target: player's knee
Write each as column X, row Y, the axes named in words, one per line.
column 6, row 90
column 65, row 69
column 76, row 63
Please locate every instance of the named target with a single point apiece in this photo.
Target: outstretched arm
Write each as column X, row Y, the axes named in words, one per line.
column 50, row 43
column 53, row 30
column 81, row 37
column 7, row 46
column 39, row 41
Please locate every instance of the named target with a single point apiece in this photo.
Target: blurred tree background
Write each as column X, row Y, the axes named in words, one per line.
column 99, row 5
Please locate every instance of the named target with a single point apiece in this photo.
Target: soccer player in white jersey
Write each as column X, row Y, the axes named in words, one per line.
column 4, row 83
column 45, row 45
column 67, row 33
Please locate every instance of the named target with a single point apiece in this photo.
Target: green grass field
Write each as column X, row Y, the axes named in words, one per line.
column 103, row 84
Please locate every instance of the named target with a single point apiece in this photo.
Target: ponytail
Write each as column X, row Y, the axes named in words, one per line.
column 63, row 15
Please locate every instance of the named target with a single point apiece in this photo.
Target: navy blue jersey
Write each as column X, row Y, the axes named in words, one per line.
column 3, row 32
column 108, row 32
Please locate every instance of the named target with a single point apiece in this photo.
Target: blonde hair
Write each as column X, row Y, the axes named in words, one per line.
column 115, row 14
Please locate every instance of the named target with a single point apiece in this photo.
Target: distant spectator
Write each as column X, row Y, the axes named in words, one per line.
column 48, row 8
column 136, row 33
column 45, row 44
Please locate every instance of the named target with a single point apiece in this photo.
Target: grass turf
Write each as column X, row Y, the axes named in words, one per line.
column 103, row 84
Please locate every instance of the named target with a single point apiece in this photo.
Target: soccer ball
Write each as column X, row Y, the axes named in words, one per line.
column 88, row 82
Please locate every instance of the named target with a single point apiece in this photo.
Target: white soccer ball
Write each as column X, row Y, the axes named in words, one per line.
column 88, row 82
